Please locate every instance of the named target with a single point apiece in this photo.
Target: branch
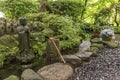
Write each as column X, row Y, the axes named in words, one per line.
column 82, row 14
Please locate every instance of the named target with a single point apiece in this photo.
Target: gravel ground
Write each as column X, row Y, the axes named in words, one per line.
column 104, row 67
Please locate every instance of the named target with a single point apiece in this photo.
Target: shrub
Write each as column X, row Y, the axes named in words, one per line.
column 17, row 8
column 116, row 30
column 60, row 27
column 65, row 7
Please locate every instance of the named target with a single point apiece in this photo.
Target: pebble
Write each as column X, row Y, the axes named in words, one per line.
column 104, row 67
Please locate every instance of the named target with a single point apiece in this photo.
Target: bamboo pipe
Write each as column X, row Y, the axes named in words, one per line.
column 53, row 42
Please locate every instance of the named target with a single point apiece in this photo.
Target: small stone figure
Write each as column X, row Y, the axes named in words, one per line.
column 2, row 29
column 9, row 27
column 107, row 33
column 2, row 26
column 84, row 46
column 15, row 25
column 23, row 37
column 23, row 32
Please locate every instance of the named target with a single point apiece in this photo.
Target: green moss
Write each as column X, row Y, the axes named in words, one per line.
column 8, row 41
column 94, row 50
column 8, row 48
column 8, row 45
column 12, row 77
column 96, row 40
column 97, row 45
column 111, row 44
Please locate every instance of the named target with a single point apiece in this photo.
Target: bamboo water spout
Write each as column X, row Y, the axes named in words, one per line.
column 52, row 40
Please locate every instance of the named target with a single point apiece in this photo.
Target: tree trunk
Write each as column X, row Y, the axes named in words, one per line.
column 115, row 19
column 42, row 5
column 82, row 14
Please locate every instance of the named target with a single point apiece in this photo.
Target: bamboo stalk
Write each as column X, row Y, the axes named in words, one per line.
column 53, row 42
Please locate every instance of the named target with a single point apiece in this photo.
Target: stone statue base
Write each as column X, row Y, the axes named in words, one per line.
column 25, row 58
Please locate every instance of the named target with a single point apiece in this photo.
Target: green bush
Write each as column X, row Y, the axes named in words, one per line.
column 65, row 7
column 116, row 30
column 16, row 8
column 60, row 27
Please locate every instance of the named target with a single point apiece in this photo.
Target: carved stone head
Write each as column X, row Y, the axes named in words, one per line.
column 22, row 21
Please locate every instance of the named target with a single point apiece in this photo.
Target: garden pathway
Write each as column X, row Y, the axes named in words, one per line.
column 104, row 67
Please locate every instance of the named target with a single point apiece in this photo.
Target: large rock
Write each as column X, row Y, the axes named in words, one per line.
column 57, row 71
column 111, row 44
column 29, row 74
column 12, row 77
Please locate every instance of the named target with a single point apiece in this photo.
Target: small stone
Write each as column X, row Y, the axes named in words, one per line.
column 96, row 40
column 71, row 58
column 84, row 54
column 12, row 77
column 29, row 74
column 56, row 71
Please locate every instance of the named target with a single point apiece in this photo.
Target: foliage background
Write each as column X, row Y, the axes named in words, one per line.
column 69, row 20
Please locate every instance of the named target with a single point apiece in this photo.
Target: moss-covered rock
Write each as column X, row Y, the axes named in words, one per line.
column 97, row 45
column 12, row 77
column 111, row 44
column 96, row 40
column 94, row 50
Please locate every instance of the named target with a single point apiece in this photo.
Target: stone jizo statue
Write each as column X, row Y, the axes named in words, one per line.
column 23, row 35
column 84, row 46
column 2, row 29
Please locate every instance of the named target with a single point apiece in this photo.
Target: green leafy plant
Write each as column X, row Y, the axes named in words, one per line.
column 15, row 9
column 39, row 48
column 60, row 27
column 117, row 30
column 65, row 7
